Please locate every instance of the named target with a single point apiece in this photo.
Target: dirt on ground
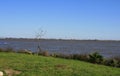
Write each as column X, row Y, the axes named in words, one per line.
column 11, row 72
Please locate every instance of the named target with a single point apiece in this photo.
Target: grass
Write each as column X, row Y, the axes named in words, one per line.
column 32, row 65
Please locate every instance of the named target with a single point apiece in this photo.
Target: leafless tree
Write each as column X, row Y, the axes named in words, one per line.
column 39, row 34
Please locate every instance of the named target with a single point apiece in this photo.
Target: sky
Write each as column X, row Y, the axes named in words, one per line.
column 61, row 19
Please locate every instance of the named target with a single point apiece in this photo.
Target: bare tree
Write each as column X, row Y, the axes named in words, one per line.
column 39, row 34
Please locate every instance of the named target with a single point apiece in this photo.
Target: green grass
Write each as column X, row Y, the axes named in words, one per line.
column 31, row 65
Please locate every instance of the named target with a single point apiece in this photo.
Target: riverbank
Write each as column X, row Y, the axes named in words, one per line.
column 94, row 58
column 32, row 65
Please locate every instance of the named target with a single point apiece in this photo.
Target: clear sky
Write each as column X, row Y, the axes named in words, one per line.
column 66, row 19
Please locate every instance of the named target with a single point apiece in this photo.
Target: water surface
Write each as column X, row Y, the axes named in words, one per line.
column 106, row 48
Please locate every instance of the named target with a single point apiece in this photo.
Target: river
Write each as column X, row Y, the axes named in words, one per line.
column 106, row 48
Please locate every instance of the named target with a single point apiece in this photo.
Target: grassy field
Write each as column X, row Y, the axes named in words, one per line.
column 32, row 65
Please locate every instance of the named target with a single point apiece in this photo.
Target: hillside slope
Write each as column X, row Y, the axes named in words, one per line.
column 31, row 65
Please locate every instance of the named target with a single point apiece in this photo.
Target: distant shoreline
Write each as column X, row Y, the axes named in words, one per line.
column 34, row 39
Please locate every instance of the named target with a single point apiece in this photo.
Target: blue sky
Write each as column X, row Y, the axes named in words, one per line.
column 66, row 19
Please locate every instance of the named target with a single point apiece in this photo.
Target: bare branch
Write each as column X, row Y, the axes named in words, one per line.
column 40, row 33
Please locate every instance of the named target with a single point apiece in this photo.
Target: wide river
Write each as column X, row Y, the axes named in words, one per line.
column 106, row 48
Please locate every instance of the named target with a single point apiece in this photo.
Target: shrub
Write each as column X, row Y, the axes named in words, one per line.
column 112, row 62
column 96, row 58
column 45, row 53
column 117, row 58
column 61, row 56
column 83, row 57
column 1, row 50
column 55, row 55
column 9, row 49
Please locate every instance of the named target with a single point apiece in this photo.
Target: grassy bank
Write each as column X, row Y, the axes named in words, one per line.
column 29, row 65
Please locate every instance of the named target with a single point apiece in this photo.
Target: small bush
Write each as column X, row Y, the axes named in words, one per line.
column 60, row 56
column 117, row 58
column 112, row 62
column 9, row 49
column 83, row 57
column 1, row 50
column 55, row 55
column 63, row 56
column 45, row 53
column 96, row 58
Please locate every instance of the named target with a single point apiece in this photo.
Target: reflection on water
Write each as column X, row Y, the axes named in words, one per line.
column 106, row 48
